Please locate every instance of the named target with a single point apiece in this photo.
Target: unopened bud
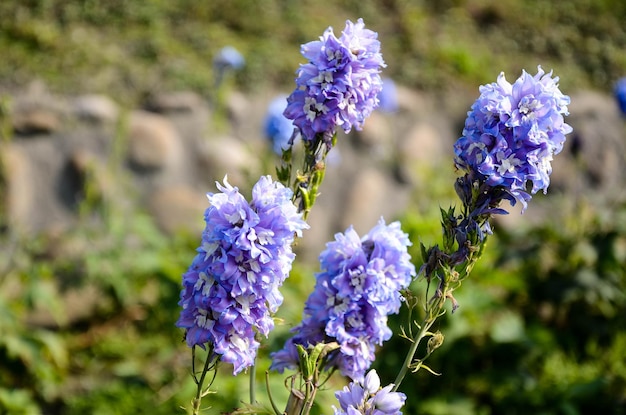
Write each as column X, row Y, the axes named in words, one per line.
column 435, row 341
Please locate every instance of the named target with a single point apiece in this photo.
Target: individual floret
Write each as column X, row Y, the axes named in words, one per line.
column 369, row 398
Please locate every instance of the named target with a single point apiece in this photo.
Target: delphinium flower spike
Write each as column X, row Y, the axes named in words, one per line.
column 358, row 287
column 231, row 288
column 511, row 134
column 337, row 88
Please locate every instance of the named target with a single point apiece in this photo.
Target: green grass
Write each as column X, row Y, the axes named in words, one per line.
column 131, row 48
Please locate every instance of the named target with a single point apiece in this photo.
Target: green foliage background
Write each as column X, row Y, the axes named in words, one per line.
column 541, row 328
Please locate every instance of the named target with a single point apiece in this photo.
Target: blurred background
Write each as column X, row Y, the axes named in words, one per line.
column 116, row 117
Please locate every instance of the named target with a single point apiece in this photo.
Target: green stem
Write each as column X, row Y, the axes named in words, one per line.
column 269, row 393
column 309, row 402
column 426, row 324
column 252, row 383
column 199, row 393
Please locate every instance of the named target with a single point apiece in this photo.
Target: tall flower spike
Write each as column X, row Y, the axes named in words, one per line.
column 358, row 287
column 231, row 287
column 368, row 398
column 339, row 86
column 512, row 132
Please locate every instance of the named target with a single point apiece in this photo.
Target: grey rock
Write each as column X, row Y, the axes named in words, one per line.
column 36, row 111
column 594, row 155
column 153, row 143
column 19, row 179
column 176, row 102
column 422, row 150
column 95, row 108
column 227, row 156
column 29, row 120
column 373, row 195
column 178, row 209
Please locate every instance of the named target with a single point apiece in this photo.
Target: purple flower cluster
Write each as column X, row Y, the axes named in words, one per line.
column 340, row 84
column 358, row 287
column 369, row 398
column 231, row 287
column 512, row 132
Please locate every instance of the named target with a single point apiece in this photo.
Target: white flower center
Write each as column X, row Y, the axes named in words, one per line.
column 507, row 164
column 204, row 282
column 203, row 320
column 324, row 78
column 312, row 108
column 527, row 105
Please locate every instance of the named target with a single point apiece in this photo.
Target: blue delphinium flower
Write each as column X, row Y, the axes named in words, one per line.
column 277, row 127
column 229, row 57
column 620, row 95
column 388, row 96
column 231, row 287
column 358, row 287
column 512, row 132
column 368, row 398
column 339, row 85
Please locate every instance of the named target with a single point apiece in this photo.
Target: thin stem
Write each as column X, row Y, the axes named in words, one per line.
column 252, row 384
column 269, row 393
column 199, row 393
column 426, row 324
column 309, row 402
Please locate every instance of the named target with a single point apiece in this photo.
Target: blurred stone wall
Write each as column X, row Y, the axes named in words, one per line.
column 166, row 154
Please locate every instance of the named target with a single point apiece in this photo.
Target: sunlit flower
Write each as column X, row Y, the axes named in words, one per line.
column 512, row 132
column 231, row 288
column 368, row 398
column 339, row 85
column 358, row 287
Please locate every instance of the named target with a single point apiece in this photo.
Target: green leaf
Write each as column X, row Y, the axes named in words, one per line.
column 305, row 367
column 430, row 370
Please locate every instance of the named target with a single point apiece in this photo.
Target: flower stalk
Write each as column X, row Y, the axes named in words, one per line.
column 210, row 364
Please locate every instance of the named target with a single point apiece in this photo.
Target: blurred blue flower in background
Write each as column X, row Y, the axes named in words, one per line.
column 620, row 95
column 388, row 96
column 278, row 128
column 229, row 57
